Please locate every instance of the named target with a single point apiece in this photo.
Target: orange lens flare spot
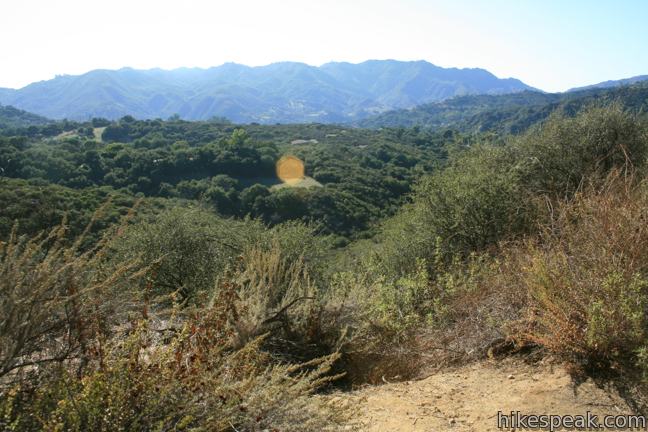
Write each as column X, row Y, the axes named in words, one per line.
column 290, row 169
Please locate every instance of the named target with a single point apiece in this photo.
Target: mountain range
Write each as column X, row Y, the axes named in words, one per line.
column 285, row 92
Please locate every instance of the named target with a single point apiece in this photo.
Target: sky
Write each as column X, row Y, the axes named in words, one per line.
column 549, row 44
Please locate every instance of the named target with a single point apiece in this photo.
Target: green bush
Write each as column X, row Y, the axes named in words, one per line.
column 491, row 193
column 189, row 249
column 478, row 200
column 559, row 154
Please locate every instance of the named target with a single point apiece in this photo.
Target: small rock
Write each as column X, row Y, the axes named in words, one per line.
column 510, row 377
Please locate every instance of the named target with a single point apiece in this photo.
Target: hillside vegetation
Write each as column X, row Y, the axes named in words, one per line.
column 178, row 292
column 366, row 174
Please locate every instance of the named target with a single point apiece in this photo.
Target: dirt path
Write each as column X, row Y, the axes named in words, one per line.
column 468, row 399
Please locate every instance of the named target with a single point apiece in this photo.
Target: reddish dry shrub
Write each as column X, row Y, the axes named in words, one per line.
column 586, row 275
column 578, row 289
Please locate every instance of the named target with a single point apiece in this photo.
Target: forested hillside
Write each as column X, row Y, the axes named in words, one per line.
column 512, row 113
column 365, row 174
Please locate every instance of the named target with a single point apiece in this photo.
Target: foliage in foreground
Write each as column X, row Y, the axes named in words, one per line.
column 537, row 242
column 234, row 325
column 191, row 248
column 195, row 381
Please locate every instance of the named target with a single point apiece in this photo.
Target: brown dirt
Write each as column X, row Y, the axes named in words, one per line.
column 468, row 398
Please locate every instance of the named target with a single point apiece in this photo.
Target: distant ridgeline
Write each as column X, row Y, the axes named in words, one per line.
column 503, row 113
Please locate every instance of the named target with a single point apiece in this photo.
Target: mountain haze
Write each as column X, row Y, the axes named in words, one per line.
column 280, row 92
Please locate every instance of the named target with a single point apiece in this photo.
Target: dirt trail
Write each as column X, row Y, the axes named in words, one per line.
column 468, row 398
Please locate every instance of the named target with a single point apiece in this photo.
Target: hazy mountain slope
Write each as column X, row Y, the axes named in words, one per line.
column 280, row 92
column 612, row 83
column 396, row 83
column 11, row 117
column 506, row 113
column 5, row 92
column 100, row 93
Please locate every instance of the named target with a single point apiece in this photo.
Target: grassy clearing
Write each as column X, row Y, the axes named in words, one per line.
column 98, row 133
column 306, row 182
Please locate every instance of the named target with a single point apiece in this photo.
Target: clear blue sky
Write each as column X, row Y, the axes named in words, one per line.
column 549, row 44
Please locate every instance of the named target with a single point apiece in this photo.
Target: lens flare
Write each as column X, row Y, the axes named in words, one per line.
column 290, row 169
